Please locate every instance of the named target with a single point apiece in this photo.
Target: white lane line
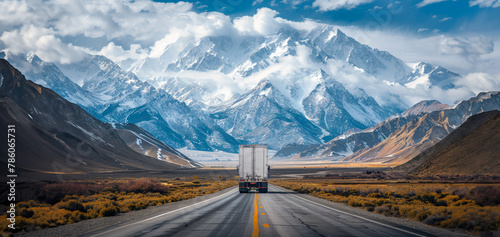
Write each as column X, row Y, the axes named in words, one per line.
column 360, row 217
column 166, row 213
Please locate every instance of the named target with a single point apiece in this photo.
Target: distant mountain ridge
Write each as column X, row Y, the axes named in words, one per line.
column 470, row 149
column 117, row 96
column 417, row 135
column 187, row 112
column 400, row 138
column 144, row 143
column 58, row 137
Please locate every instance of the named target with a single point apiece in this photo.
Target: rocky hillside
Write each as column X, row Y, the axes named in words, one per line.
column 471, row 149
column 56, row 136
column 420, row 134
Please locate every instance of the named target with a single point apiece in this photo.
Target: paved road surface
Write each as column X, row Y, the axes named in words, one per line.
column 277, row 213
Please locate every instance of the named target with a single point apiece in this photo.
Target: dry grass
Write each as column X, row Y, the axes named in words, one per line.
column 69, row 202
column 474, row 208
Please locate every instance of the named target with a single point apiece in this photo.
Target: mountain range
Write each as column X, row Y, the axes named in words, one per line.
column 240, row 92
column 471, row 149
column 402, row 137
column 56, row 136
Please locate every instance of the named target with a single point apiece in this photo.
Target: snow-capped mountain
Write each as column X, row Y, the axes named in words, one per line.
column 239, row 63
column 400, row 137
column 117, row 96
column 419, row 134
column 333, row 108
column 264, row 115
column 428, row 75
column 49, row 75
column 354, row 141
column 241, row 59
column 338, row 45
column 59, row 137
column 230, row 78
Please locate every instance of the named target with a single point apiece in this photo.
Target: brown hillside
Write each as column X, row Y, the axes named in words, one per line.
column 55, row 136
column 473, row 148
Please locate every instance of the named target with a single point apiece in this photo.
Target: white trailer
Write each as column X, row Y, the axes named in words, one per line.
column 253, row 168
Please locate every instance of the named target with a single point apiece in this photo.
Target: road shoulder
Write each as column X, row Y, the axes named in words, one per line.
column 392, row 221
column 85, row 228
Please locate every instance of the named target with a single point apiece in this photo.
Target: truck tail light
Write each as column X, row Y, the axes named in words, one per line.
column 264, row 180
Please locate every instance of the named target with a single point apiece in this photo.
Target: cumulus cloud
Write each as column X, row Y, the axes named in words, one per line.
column 479, row 82
column 263, row 22
column 43, row 42
column 462, row 55
column 428, row 2
column 470, row 48
column 63, row 24
column 65, row 31
column 118, row 54
column 485, row 3
column 332, row 5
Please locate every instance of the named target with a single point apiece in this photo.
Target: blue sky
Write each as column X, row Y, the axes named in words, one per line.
column 461, row 36
column 450, row 17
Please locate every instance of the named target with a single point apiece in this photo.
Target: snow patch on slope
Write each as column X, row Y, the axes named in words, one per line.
column 91, row 135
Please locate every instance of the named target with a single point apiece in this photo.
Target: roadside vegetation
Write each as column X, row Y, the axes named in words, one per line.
column 470, row 207
column 55, row 204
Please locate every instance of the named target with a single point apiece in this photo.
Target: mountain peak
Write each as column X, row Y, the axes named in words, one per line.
column 487, row 95
column 425, row 106
column 325, row 34
column 423, row 67
column 263, row 85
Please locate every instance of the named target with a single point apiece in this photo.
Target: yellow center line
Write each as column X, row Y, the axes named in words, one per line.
column 255, row 232
column 263, row 213
column 266, row 225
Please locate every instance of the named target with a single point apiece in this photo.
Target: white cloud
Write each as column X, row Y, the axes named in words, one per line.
column 390, row 5
column 458, row 54
column 130, row 30
column 479, row 82
column 61, row 25
column 43, row 42
column 257, row 2
column 428, row 2
column 446, row 19
column 332, row 5
column 263, row 22
column 485, row 3
column 293, row 2
column 118, row 54
column 470, row 48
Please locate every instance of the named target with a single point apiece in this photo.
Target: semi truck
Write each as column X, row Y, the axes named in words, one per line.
column 253, row 168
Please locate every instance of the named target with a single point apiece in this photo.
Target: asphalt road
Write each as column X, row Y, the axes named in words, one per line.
column 279, row 212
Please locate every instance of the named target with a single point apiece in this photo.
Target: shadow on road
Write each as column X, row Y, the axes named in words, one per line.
column 269, row 192
column 279, row 192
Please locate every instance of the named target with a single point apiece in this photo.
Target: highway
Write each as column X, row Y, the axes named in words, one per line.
column 279, row 212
